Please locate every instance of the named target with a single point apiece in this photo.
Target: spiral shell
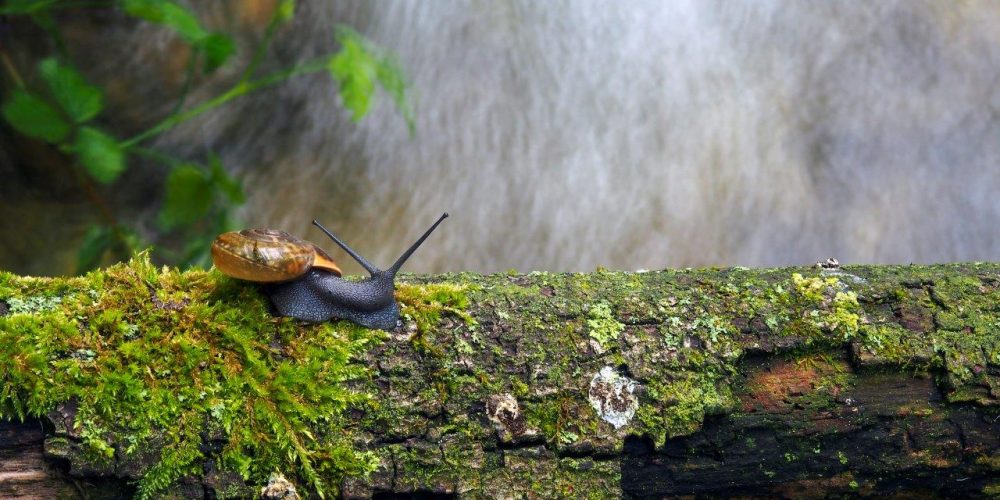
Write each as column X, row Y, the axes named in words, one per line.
column 268, row 255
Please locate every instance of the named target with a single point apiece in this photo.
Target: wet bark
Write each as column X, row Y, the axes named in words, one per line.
column 24, row 471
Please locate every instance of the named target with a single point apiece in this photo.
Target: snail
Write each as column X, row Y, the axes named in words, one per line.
column 303, row 282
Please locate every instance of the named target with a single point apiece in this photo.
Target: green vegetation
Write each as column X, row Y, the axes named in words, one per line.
column 837, row 309
column 154, row 357
column 199, row 195
column 137, row 348
column 603, row 326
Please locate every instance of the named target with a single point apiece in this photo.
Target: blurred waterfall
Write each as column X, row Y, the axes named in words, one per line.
column 629, row 134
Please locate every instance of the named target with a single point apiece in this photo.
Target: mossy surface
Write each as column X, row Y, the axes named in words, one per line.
column 151, row 363
column 491, row 381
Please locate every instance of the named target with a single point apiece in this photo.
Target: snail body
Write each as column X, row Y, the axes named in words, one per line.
column 303, row 282
column 369, row 302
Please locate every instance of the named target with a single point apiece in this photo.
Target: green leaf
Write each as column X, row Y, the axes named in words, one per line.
column 390, row 76
column 95, row 243
column 358, row 66
column 150, row 10
column 80, row 100
column 286, row 11
column 183, row 22
column 25, row 6
column 168, row 14
column 355, row 68
column 228, row 185
column 33, row 117
column 218, row 47
column 100, row 154
column 188, row 198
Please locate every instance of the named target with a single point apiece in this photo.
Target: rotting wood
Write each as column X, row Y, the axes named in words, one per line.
column 796, row 382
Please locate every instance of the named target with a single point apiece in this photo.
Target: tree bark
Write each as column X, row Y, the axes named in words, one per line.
column 796, row 382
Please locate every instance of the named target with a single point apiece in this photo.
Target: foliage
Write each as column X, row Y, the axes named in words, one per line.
column 358, row 67
column 199, row 195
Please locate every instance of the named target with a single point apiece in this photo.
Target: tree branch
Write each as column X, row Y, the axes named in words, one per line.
column 763, row 382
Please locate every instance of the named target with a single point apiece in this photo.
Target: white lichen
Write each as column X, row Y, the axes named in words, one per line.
column 613, row 396
column 279, row 488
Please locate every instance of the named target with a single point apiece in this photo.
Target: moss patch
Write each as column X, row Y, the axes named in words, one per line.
column 149, row 358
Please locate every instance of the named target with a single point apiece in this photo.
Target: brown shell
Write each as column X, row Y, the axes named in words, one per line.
column 267, row 255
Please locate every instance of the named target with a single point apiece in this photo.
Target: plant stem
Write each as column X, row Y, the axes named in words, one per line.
column 156, row 156
column 95, row 197
column 237, row 90
column 188, row 78
column 261, row 49
column 11, row 69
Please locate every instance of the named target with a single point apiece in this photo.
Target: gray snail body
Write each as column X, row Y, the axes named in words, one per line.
column 368, row 302
column 313, row 292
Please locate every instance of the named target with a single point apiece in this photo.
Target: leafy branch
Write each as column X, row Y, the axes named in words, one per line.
column 199, row 195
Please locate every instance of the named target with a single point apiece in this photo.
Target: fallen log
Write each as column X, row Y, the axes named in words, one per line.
column 794, row 382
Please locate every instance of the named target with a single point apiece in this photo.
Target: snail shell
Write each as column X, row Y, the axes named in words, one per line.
column 268, row 256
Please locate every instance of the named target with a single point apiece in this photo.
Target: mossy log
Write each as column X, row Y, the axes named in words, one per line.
column 795, row 382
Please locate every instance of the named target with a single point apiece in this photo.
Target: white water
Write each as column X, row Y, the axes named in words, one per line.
column 632, row 134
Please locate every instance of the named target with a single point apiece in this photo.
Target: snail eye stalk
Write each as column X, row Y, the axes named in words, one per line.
column 361, row 260
column 406, row 255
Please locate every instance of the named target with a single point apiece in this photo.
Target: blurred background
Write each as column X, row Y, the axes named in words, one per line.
column 560, row 135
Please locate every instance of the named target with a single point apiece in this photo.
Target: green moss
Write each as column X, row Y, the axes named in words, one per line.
column 425, row 303
column 150, row 355
column 992, row 490
column 551, row 416
column 678, row 406
column 889, row 343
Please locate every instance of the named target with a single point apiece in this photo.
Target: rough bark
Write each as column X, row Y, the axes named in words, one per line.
column 807, row 382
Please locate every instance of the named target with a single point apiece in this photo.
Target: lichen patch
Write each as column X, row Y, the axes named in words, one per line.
column 279, row 488
column 603, row 327
column 505, row 413
column 613, row 397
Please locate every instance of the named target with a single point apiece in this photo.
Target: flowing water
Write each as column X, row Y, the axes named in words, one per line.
column 629, row 134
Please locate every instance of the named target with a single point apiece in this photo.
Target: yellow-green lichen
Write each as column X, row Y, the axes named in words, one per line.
column 602, row 325
column 831, row 308
column 32, row 304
